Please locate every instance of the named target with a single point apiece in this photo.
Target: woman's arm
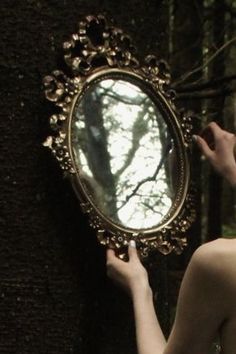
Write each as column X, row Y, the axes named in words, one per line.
column 201, row 307
column 218, row 146
column 133, row 277
column 149, row 336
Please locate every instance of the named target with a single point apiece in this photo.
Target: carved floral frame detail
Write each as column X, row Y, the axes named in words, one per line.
column 98, row 47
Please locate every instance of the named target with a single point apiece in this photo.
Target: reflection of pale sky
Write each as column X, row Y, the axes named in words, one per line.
column 84, row 163
column 120, row 142
column 143, row 164
column 122, row 88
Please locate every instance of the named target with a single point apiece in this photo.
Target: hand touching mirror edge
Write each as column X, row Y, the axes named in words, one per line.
column 218, row 146
column 201, row 310
column 133, row 277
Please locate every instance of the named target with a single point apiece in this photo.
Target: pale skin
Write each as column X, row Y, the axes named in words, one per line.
column 206, row 304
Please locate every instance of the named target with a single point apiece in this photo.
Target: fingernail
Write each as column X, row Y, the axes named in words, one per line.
column 194, row 137
column 132, row 243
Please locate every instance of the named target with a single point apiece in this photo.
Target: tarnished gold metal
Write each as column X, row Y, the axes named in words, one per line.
column 100, row 50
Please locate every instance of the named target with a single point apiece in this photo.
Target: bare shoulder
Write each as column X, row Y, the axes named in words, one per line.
column 221, row 247
column 217, row 258
column 215, row 251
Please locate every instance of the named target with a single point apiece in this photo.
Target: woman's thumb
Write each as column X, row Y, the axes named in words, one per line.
column 132, row 250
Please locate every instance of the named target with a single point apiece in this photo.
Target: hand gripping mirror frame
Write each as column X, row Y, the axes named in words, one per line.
column 99, row 50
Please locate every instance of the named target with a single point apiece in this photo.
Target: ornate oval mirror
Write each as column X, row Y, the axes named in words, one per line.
column 122, row 141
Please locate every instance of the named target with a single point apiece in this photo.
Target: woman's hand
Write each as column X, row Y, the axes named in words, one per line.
column 131, row 275
column 218, row 145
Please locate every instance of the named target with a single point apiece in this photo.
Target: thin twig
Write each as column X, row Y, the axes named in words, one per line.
column 194, row 86
column 205, row 94
column 148, row 179
column 186, row 76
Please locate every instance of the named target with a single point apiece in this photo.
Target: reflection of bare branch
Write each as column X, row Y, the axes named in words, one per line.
column 131, row 217
column 143, row 195
column 126, row 186
column 139, row 128
column 124, row 99
column 148, row 179
column 152, row 208
column 111, row 93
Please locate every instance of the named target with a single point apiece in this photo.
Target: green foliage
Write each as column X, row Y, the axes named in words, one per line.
column 229, row 230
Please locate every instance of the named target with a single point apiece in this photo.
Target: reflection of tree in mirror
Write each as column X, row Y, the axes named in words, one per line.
column 124, row 150
column 92, row 139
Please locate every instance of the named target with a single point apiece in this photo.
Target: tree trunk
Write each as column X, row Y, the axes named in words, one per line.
column 187, row 54
column 214, row 228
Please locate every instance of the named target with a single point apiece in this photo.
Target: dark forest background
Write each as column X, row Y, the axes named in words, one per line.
column 54, row 294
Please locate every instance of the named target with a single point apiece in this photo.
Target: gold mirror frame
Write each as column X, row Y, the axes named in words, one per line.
column 97, row 51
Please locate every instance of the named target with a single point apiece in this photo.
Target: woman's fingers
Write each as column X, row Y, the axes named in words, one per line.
column 112, row 259
column 132, row 251
column 215, row 128
column 211, row 134
column 204, row 147
column 110, row 253
column 113, row 264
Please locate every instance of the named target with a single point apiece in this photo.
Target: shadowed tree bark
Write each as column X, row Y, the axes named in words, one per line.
column 98, row 157
column 214, row 229
column 187, row 53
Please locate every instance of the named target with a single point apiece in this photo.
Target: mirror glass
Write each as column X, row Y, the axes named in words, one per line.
column 125, row 153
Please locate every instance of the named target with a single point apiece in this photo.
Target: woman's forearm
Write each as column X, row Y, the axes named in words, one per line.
column 133, row 277
column 231, row 177
column 150, row 339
